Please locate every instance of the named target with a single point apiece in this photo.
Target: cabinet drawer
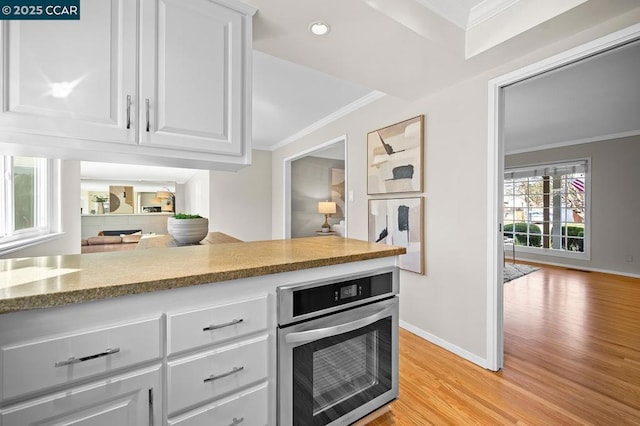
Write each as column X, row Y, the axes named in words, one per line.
column 201, row 378
column 249, row 407
column 39, row 365
column 193, row 329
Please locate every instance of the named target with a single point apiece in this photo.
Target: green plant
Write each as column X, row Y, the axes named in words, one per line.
column 572, row 244
column 187, row 216
column 521, row 231
column 100, row 199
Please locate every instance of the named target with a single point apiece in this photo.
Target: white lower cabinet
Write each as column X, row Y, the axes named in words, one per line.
column 124, row 400
column 247, row 408
column 142, row 360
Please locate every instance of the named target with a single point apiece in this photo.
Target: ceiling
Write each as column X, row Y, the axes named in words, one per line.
column 595, row 99
column 403, row 48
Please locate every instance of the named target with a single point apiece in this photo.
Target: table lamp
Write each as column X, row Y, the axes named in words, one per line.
column 327, row 208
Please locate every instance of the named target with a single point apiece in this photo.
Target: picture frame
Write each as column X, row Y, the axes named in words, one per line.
column 121, row 200
column 400, row 222
column 395, row 156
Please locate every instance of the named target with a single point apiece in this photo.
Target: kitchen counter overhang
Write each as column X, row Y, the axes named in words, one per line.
column 43, row 282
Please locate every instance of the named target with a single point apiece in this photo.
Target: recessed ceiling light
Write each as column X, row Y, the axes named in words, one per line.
column 319, row 28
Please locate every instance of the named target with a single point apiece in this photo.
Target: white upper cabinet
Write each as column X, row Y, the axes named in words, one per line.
column 192, row 74
column 148, row 82
column 71, row 79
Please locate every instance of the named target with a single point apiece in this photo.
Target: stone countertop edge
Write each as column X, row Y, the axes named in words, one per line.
column 55, row 297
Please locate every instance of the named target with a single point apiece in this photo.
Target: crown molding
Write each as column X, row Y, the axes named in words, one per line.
column 466, row 19
column 347, row 109
column 601, row 138
column 450, row 10
column 487, row 10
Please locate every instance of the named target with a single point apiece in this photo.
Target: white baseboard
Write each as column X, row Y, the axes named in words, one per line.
column 471, row 357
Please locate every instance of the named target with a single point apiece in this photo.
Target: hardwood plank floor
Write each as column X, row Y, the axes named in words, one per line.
column 572, row 357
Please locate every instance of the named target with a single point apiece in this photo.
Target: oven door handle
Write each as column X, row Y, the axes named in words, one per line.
column 321, row 333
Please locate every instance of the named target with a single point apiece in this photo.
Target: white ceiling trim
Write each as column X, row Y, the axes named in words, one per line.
column 450, row 10
column 574, row 142
column 487, row 10
column 347, row 109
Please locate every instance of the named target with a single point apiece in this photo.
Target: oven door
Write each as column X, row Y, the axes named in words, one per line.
column 338, row 368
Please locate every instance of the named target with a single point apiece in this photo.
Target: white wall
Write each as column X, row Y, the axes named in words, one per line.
column 615, row 204
column 445, row 301
column 195, row 195
column 448, row 304
column 241, row 201
column 236, row 203
column 69, row 242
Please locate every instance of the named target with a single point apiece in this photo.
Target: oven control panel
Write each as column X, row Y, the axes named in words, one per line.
column 321, row 297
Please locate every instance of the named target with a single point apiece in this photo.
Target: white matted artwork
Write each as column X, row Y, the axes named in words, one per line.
column 395, row 156
column 400, row 222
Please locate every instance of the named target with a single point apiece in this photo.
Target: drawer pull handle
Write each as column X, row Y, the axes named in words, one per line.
column 226, row 324
column 237, row 421
column 74, row 360
column 213, row 377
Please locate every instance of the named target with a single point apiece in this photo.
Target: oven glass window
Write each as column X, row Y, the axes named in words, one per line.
column 343, row 370
column 337, row 374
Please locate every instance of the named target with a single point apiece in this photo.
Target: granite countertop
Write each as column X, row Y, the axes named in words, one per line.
column 41, row 282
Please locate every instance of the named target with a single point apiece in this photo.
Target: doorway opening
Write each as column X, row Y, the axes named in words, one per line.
column 495, row 162
column 313, row 176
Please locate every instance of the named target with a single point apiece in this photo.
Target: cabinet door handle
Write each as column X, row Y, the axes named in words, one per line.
column 226, row 324
column 237, row 421
column 213, row 377
column 151, row 407
column 146, row 102
column 128, row 111
column 74, row 360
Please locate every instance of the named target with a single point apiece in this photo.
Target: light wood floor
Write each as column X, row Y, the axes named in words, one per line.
column 572, row 357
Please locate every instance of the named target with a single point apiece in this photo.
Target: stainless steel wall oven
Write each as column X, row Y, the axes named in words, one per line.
column 337, row 348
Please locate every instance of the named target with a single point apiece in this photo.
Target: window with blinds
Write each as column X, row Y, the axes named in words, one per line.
column 546, row 207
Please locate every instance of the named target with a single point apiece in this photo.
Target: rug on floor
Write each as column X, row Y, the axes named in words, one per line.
column 511, row 271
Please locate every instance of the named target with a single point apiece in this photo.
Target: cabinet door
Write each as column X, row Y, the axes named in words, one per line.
column 194, row 91
column 71, row 79
column 126, row 400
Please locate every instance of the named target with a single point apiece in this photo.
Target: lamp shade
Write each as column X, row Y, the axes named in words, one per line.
column 326, row 207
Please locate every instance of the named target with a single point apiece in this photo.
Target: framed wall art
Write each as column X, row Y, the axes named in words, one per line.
column 400, row 222
column 395, row 157
column 121, row 199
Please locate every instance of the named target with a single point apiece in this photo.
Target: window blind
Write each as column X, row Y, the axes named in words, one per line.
column 552, row 169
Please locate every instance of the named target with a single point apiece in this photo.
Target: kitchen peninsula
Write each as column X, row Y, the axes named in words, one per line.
column 142, row 337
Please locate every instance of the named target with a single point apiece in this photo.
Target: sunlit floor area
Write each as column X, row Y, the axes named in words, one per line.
column 572, row 357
